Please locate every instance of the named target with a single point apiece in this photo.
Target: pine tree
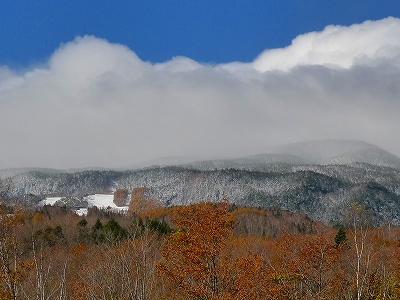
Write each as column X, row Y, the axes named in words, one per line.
column 340, row 237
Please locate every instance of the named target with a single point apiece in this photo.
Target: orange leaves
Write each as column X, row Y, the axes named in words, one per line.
column 192, row 255
column 139, row 205
column 125, row 270
column 205, row 226
column 304, row 264
column 204, row 260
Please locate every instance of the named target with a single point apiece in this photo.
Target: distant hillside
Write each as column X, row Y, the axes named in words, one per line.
column 339, row 152
column 346, row 172
column 325, row 152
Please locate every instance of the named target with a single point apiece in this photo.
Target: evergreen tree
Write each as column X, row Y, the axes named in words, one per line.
column 97, row 232
column 113, row 231
column 340, row 237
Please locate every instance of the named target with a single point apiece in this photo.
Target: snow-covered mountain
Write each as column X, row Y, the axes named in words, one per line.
column 320, row 179
column 324, row 152
column 338, row 152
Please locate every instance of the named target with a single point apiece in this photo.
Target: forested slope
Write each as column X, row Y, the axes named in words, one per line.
column 320, row 179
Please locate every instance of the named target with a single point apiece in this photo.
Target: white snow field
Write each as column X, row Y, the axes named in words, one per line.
column 49, row 201
column 102, row 201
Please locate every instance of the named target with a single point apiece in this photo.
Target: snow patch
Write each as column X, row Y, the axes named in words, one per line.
column 102, row 201
column 49, row 201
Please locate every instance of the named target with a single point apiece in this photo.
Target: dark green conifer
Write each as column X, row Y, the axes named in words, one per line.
column 97, row 232
column 340, row 237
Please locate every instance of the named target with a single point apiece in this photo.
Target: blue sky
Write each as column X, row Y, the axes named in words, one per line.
column 206, row 31
column 118, row 83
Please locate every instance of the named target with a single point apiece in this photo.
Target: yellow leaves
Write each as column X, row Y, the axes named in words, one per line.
column 248, row 210
column 5, row 294
column 37, row 218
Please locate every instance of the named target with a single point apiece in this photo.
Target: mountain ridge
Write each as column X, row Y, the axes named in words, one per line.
column 321, row 191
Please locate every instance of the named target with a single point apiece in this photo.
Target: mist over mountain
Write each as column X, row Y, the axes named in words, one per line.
column 339, row 152
column 320, row 179
column 320, row 152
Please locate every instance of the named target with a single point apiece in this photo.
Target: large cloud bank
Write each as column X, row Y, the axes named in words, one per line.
column 98, row 104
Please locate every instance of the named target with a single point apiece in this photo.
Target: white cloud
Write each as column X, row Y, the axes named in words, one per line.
column 98, row 104
column 336, row 46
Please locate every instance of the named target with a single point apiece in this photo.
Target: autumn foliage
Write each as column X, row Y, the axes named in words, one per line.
column 194, row 252
column 120, row 197
column 138, row 204
column 193, row 255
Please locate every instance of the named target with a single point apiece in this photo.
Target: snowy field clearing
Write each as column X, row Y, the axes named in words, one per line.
column 102, row 201
column 49, row 201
